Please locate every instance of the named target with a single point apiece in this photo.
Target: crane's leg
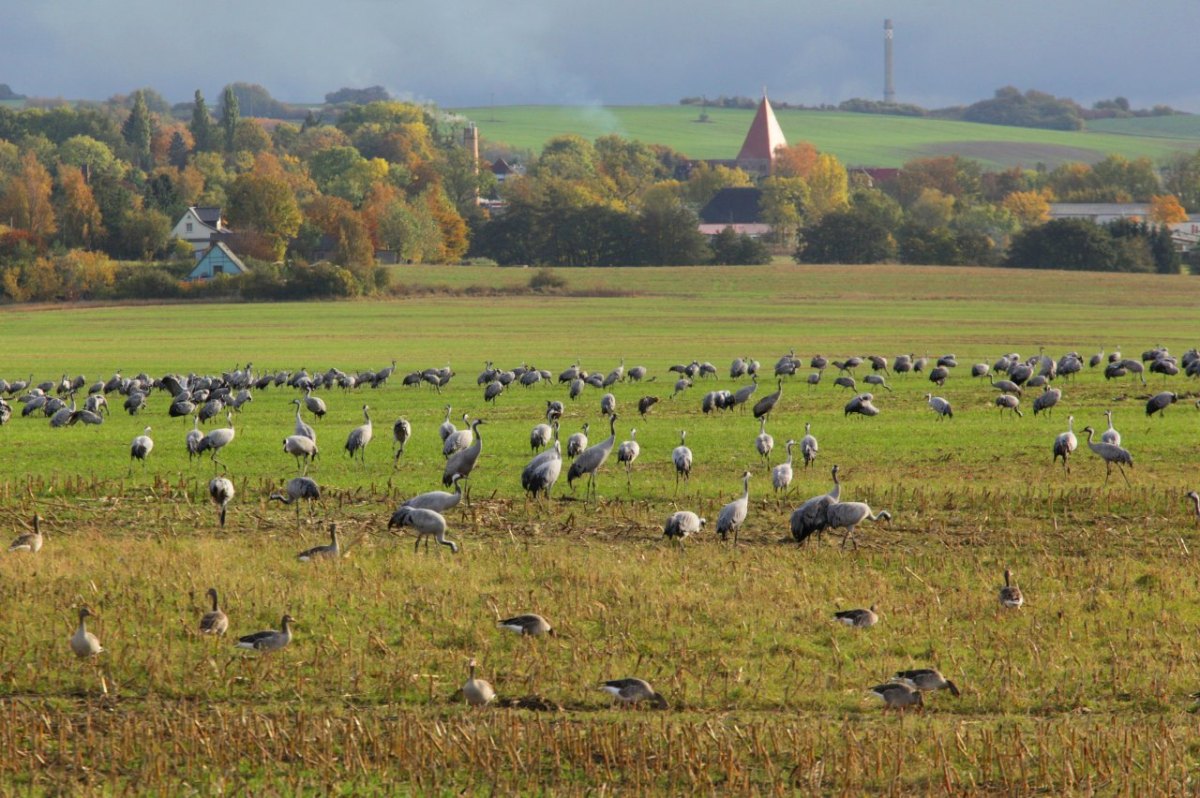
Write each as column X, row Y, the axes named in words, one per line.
column 1107, row 472
column 1122, row 470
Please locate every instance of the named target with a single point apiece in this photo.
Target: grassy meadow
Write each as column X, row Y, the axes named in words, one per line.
column 856, row 139
column 1085, row 690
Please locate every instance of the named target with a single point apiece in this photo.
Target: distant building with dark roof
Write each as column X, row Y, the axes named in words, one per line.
column 739, row 208
column 200, row 226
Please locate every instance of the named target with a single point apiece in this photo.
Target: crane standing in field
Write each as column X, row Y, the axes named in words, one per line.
column 426, row 523
column 401, row 432
column 764, row 443
column 628, row 451
column 462, row 463
column 591, row 459
column 733, row 515
column 781, row 475
column 140, row 448
column 217, row 440
column 808, row 445
column 1110, row 453
column 221, row 492
column 1065, row 444
column 681, row 456
column 360, row 436
column 540, row 474
column 297, row 490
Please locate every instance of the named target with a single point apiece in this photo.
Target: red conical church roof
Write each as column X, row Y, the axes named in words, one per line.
column 764, row 136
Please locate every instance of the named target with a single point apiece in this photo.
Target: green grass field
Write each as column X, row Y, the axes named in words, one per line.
column 856, row 139
column 1084, row 690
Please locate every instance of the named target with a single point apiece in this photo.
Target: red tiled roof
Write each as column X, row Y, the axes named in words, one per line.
column 764, row 136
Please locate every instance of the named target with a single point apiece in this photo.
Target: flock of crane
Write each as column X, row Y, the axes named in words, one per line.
column 207, row 397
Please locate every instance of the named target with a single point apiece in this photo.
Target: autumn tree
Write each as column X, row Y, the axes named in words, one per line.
column 1166, row 209
column 795, row 160
column 265, row 204
column 931, row 209
column 79, row 219
column 26, row 199
column 705, row 181
column 1027, row 207
column 783, row 204
column 828, row 187
column 336, row 218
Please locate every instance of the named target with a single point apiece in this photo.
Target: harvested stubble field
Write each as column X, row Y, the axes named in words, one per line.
column 1085, row 690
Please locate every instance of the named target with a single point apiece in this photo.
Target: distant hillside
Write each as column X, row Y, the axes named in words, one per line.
column 857, row 139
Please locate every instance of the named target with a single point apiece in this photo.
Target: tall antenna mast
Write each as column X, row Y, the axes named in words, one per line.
column 889, row 85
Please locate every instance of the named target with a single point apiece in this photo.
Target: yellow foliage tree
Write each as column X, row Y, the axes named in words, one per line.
column 1029, row 208
column 26, row 198
column 78, row 213
column 1166, row 209
column 828, row 187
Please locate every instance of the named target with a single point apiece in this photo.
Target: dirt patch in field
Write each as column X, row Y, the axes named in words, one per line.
column 400, row 290
column 1013, row 153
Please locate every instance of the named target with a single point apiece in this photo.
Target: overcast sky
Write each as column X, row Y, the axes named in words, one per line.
column 471, row 52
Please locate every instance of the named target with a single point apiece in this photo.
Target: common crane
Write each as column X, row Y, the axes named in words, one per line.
column 733, row 515
column 808, row 445
column 426, row 523
column 1009, row 402
column 1065, row 444
column 764, row 443
column 765, row 405
column 628, row 451
column 1110, row 435
column 437, row 500
column 682, row 524
column 540, row 474
column 578, row 442
column 221, row 493
column 539, row 437
column 217, row 440
column 459, row 439
column 848, row 515
column 463, row 463
column 812, row 516
column 301, row 448
column 1046, row 402
column 140, row 448
column 401, row 432
column 781, row 475
column 298, row 489
column 591, row 459
column 447, row 428
column 360, row 436
column 1159, row 403
column 301, row 427
column 1110, row 453
column 681, row 456
column 939, row 406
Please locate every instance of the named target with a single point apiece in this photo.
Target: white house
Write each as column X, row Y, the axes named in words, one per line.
column 199, row 227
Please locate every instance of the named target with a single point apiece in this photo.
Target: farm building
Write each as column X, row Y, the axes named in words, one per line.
column 199, row 226
column 1186, row 235
column 739, row 208
column 218, row 259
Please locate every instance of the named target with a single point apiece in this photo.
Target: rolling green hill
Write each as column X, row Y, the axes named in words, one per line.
column 857, row 139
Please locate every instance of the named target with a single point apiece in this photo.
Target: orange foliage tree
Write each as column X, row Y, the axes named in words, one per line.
column 1166, row 209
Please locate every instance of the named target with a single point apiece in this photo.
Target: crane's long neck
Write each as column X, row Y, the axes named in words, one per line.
column 746, row 487
column 214, row 600
column 1195, row 498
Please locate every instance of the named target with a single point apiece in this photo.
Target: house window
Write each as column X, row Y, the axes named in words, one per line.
column 189, row 227
column 218, row 268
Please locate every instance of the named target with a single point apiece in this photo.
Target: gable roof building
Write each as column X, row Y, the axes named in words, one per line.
column 199, row 226
column 739, row 208
column 215, row 261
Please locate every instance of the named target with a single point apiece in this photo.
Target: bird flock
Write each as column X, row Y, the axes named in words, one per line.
column 205, row 398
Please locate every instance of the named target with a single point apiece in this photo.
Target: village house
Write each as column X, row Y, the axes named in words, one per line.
column 200, row 226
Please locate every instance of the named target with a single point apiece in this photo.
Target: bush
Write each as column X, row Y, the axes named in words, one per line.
column 145, row 282
column 546, row 280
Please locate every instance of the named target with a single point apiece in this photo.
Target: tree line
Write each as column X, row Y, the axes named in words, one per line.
column 89, row 195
